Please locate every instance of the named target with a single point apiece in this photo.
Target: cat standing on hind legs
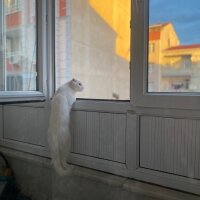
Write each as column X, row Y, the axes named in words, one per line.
column 59, row 136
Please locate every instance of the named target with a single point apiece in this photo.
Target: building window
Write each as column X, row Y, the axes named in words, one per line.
column 151, row 48
column 93, row 45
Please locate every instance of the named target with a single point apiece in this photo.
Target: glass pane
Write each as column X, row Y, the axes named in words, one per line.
column 93, row 45
column 174, row 46
column 18, row 45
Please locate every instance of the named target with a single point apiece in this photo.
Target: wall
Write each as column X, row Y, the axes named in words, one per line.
column 160, row 148
column 1, row 121
column 100, row 135
column 24, row 127
column 170, row 145
column 33, row 175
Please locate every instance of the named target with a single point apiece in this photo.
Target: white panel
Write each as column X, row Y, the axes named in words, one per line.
column 132, row 142
column 25, row 124
column 145, row 139
column 100, row 135
column 78, row 131
column 85, row 133
column 106, row 136
column 197, row 145
column 119, row 124
column 170, row 145
column 112, row 136
column 92, row 141
column 1, row 121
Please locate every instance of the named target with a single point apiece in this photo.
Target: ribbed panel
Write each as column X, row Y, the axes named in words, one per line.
column 119, row 123
column 25, row 124
column 100, row 135
column 170, row 145
column 85, row 133
column 106, row 136
column 78, row 131
column 1, row 122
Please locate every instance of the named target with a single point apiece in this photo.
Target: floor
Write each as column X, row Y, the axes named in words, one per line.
column 37, row 180
column 86, row 184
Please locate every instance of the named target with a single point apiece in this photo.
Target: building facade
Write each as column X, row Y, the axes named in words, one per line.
column 173, row 67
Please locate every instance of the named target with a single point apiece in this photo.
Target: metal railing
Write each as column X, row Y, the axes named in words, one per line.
column 180, row 72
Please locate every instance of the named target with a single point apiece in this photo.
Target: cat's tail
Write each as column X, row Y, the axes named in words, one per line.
column 60, row 165
column 60, row 169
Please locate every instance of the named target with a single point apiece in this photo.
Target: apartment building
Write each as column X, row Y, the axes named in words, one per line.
column 173, row 67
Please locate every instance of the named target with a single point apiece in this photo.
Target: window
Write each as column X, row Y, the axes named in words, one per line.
column 18, row 52
column 93, row 45
column 177, row 36
column 151, row 47
column 21, row 62
column 169, row 77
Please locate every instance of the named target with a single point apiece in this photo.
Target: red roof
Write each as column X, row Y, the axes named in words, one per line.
column 154, row 31
column 154, row 35
column 193, row 46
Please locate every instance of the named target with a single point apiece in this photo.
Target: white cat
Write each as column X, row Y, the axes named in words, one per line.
column 59, row 132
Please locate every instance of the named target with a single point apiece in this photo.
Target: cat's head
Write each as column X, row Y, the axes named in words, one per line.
column 76, row 85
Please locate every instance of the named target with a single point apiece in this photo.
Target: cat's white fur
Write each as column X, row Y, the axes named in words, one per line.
column 59, row 136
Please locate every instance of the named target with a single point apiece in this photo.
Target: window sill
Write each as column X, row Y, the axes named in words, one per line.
column 102, row 106
column 15, row 97
column 183, row 101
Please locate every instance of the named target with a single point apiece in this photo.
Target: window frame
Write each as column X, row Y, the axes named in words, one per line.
column 141, row 97
column 41, row 88
column 89, row 103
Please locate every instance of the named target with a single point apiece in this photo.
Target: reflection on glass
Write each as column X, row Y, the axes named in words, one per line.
column 18, row 45
column 174, row 46
column 93, row 45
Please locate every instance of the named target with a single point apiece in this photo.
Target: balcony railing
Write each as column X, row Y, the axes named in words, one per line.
column 172, row 72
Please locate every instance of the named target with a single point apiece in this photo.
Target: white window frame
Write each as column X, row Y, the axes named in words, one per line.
column 41, row 93
column 140, row 96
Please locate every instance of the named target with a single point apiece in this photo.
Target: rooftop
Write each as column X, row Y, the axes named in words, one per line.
column 192, row 46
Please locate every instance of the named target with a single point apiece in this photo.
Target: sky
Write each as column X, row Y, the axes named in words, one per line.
column 184, row 15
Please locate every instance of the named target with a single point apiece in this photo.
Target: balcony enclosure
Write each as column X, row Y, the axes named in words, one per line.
column 139, row 114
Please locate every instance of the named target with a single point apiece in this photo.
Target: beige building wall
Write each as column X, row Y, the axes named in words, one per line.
column 93, row 57
column 154, row 54
column 163, row 37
